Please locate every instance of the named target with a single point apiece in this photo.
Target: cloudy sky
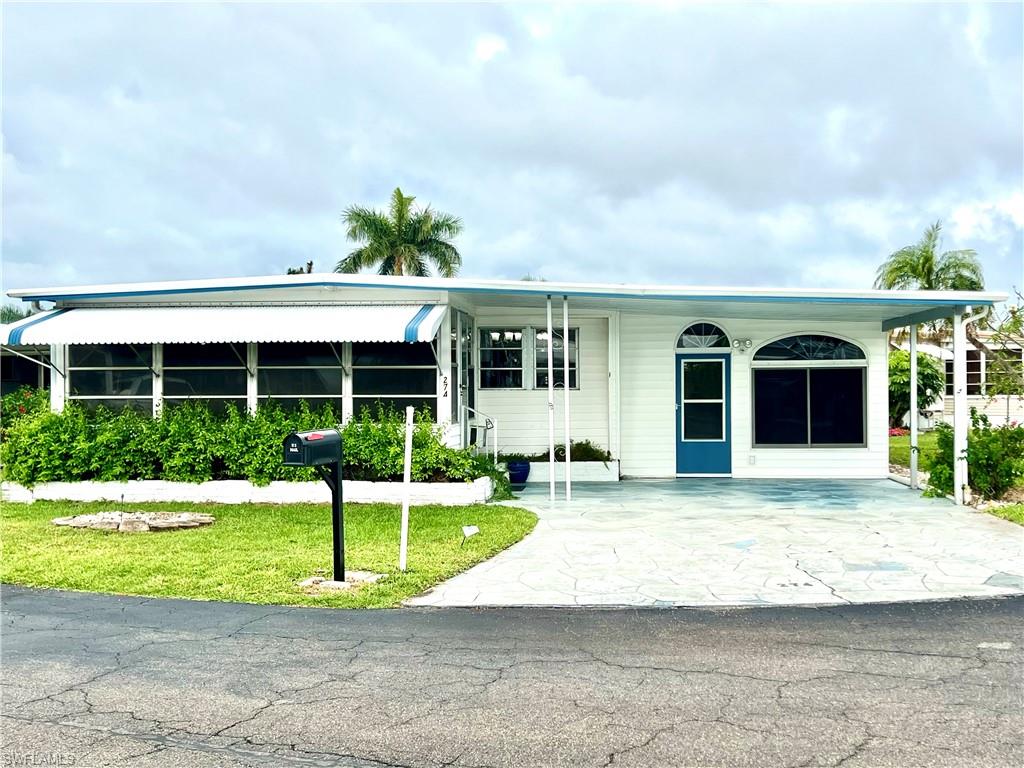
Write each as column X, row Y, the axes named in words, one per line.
column 744, row 145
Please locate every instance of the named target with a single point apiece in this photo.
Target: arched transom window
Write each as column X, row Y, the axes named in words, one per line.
column 809, row 347
column 809, row 392
column 702, row 336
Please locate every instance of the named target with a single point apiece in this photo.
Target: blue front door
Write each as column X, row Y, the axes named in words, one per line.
column 703, row 421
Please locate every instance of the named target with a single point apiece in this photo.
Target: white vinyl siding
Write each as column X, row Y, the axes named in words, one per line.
column 522, row 415
column 648, row 404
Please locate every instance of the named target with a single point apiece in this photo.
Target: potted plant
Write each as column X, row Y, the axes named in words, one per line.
column 518, row 470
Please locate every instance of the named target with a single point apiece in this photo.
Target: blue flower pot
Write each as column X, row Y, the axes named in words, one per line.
column 518, row 471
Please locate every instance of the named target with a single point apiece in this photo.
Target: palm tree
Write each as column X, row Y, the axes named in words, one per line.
column 923, row 267
column 403, row 240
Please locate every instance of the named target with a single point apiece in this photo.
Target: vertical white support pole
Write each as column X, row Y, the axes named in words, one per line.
column 406, row 488
column 565, row 390
column 347, row 404
column 252, row 399
column 960, row 415
column 551, row 408
column 157, row 352
column 58, row 383
column 913, row 406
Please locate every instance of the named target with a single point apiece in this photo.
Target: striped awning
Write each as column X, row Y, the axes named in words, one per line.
column 295, row 323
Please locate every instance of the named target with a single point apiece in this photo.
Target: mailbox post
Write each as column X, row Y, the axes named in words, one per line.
column 322, row 449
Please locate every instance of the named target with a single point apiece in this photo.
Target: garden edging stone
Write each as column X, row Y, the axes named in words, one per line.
column 244, row 492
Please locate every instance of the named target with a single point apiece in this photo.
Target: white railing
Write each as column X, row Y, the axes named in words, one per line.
column 490, row 425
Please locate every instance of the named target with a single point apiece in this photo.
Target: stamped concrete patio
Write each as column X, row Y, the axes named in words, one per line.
column 744, row 542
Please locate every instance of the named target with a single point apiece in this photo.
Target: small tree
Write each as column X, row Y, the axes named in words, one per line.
column 931, row 381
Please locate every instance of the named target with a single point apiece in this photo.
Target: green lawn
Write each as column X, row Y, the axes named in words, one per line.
column 899, row 448
column 1014, row 513
column 253, row 553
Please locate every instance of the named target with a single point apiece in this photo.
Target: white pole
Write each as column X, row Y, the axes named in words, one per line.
column 406, row 488
column 913, row 406
column 960, row 415
column 565, row 380
column 551, row 408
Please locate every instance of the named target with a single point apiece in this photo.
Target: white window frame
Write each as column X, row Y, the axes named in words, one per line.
column 807, row 365
column 480, row 348
column 537, row 369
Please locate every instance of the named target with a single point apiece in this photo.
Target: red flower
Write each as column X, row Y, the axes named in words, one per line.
column 21, row 409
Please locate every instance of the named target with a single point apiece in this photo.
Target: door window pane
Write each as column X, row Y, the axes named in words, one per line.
column 702, row 380
column 500, row 379
column 837, row 406
column 780, row 407
column 702, row 421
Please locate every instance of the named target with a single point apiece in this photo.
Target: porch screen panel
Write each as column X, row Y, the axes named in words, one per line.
column 113, row 376
column 289, row 374
column 394, row 375
column 212, row 373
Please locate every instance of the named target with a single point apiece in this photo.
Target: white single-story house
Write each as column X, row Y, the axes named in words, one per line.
column 673, row 381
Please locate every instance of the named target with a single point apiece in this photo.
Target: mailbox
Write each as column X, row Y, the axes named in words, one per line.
column 321, row 448
column 312, row 449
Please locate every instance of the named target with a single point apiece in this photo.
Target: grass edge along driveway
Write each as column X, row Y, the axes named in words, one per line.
column 253, row 553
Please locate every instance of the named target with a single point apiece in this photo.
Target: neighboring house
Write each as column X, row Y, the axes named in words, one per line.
column 674, row 381
column 985, row 393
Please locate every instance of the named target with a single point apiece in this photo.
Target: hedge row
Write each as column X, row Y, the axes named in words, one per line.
column 190, row 443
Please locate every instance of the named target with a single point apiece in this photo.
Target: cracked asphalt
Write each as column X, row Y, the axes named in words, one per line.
column 93, row 680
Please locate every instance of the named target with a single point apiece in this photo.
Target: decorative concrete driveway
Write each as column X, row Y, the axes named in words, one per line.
column 744, row 542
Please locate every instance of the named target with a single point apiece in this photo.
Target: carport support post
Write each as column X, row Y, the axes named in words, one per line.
column 565, row 392
column 551, row 407
column 960, row 415
column 913, row 406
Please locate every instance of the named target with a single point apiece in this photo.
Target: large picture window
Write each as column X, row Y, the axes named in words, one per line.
column 215, row 373
column 501, row 358
column 115, row 376
column 809, row 391
column 291, row 373
column 541, row 357
column 395, row 375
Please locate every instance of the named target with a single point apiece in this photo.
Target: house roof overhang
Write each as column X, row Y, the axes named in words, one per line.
column 889, row 309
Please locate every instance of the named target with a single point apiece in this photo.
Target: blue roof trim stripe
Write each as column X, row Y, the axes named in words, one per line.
column 880, row 301
column 14, row 335
column 413, row 328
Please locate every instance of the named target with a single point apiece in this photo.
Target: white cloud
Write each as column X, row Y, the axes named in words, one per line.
column 487, row 47
column 790, row 145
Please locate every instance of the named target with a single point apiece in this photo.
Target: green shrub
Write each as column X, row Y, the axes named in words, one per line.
column 995, row 457
column 190, row 443
column 582, row 450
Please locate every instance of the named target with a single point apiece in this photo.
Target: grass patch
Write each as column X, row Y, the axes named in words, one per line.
column 253, row 553
column 899, row 448
column 1014, row 513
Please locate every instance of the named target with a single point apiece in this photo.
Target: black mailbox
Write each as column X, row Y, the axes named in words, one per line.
column 321, row 448
column 312, row 449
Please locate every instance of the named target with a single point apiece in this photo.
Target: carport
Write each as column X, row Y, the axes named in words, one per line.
column 720, row 541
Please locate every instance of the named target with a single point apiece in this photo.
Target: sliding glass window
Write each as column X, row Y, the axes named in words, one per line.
column 809, row 391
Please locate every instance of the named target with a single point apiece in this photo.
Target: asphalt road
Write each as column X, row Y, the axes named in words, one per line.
column 93, row 680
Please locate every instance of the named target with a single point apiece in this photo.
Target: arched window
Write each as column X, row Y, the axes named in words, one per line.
column 702, row 336
column 808, row 347
column 809, row 392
